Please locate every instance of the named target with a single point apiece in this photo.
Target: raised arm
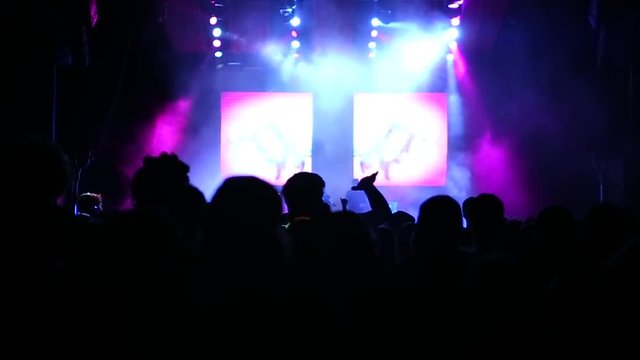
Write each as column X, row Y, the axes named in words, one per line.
column 380, row 210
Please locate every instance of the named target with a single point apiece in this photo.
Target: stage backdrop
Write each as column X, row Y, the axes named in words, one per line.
column 403, row 136
column 268, row 135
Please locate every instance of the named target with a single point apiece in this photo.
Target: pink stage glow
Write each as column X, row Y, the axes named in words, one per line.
column 460, row 66
column 496, row 170
column 268, row 135
column 166, row 134
column 93, row 12
column 168, row 128
column 403, row 136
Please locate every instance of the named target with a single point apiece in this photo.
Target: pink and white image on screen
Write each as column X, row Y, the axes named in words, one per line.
column 402, row 136
column 268, row 135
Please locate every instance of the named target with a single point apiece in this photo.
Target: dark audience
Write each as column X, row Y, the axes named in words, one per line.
column 89, row 207
column 178, row 272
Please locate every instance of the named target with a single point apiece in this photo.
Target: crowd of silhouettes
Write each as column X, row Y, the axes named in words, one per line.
column 178, row 271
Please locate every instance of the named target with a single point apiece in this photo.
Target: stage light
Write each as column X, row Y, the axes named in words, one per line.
column 372, row 45
column 295, row 44
column 375, row 22
column 453, row 45
column 453, row 33
column 296, row 55
column 217, row 32
column 294, row 33
column 295, row 21
column 372, row 54
column 419, row 54
column 213, row 20
column 218, row 54
column 374, row 33
column 455, row 21
column 456, row 5
column 217, row 43
column 450, row 57
column 286, row 12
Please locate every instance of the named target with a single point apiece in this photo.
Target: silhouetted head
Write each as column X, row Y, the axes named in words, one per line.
column 159, row 181
column 243, row 223
column 467, row 209
column 399, row 219
column 439, row 226
column 488, row 207
column 303, row 194
column 247, row 200
column 89, row 204
column 193, row 197
column 190, row 205
column 488, row 221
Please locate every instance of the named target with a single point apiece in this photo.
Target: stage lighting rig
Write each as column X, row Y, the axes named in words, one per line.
column 455, row 4
column 292, row 18
column 454, row 8
column 288, row 9
column 383, row 13
column 217, row 28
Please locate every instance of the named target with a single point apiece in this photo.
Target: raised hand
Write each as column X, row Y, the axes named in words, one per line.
column 366, row 182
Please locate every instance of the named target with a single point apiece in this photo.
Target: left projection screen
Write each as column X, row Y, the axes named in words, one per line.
column 268, row 135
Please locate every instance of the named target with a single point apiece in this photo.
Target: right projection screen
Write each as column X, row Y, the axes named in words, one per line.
column 402, row 136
